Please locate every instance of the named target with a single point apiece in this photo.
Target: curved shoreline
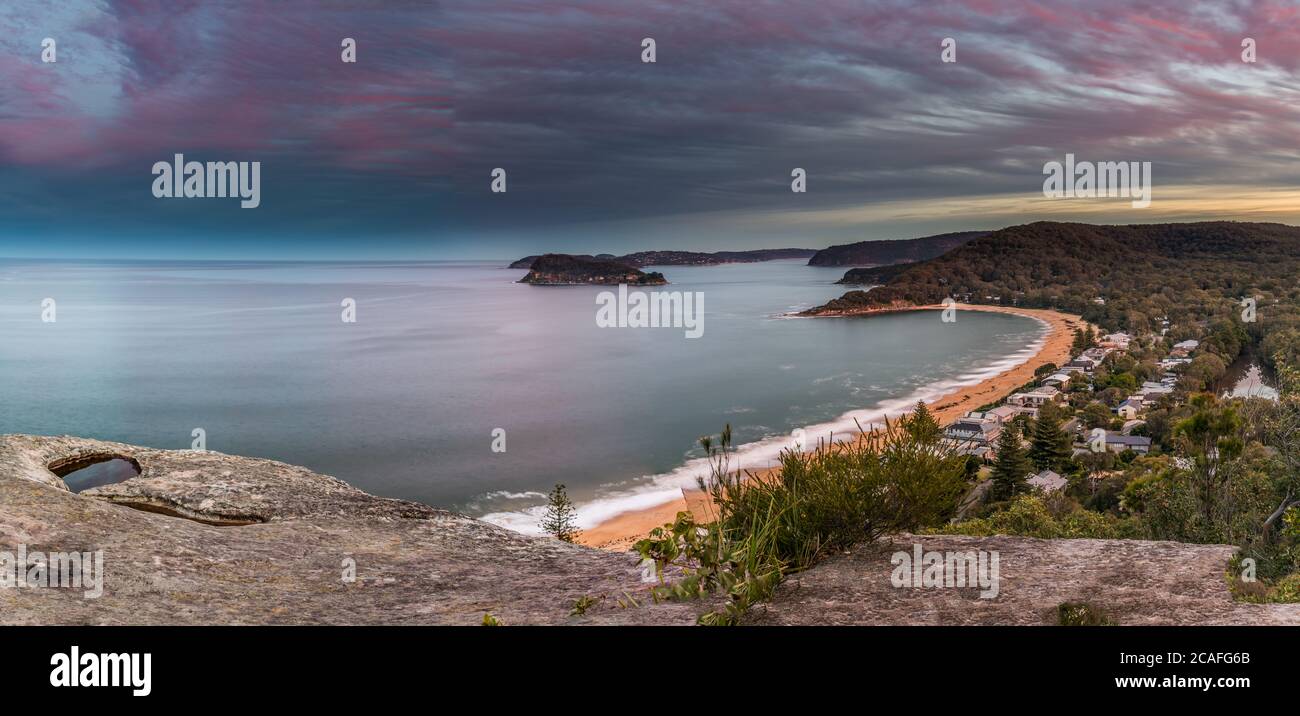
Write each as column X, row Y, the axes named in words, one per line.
column 621, row 531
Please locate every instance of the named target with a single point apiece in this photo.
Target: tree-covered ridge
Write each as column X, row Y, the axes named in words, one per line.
column 1120, row 277
column 891, row 251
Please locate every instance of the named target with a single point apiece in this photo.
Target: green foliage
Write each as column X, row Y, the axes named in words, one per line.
column 582, row 604
column 745, row 567
column 1045, row 517
column 561, row 516
column 1011, row 468
column 1096, row 415
column 1049, row 446
column 1083, row 340
column 489, row 620
column 922, row 425
column 900, row 478
column 1081, row 614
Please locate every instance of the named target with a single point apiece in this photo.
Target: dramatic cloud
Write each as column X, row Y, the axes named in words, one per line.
column 605, row 152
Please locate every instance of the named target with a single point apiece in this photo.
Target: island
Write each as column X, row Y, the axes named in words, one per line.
column 567, row 270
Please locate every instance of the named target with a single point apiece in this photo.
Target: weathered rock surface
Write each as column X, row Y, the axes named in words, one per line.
column 207, row 538
column 1134, row 582
column 281, row 562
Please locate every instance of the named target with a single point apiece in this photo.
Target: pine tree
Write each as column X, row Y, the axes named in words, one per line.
column 922, row 426
column 1084, row 338
column 561, row 516
column 1049, row 446
column 1011, row 468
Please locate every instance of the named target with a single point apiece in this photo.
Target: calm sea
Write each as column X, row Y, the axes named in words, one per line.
column 404, row 402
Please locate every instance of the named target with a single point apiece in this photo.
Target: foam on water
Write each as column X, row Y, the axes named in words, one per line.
column 666, row 487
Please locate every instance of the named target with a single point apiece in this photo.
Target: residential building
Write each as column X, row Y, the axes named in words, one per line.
column 1117, row 442
column 1047, row 481
column 1034, row 398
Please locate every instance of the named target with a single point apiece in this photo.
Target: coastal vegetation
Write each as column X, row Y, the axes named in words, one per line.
column 561, row 517
column 767, row 525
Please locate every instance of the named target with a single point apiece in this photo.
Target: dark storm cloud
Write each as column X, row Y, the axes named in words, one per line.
column 402, row 142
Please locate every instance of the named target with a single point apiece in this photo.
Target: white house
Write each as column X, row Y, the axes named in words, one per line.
column 1118, row 341
column 1048, row 481
column 1034, row 398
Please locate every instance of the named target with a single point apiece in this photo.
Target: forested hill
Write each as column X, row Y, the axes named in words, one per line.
column 1117, row 276
column 885, row 252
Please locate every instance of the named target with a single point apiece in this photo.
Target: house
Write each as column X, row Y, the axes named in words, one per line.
column 1047, row 481
column 1056, row 380
column 1034, row 398
column 975, row 430
column 1151, row 392
column 1183, row 348
column 1118, row 341
column 1129, row 409
column 1006, row 413
column 983, row 452
column 1116, row 442
column 1083, row 363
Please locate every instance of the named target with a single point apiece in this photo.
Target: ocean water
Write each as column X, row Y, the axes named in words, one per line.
column 403, row 402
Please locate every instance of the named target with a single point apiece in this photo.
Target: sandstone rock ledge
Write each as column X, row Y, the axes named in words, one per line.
column 1135, row 582
column 207, row 538
column 271, row 546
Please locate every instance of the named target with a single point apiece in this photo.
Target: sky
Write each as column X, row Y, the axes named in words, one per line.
column 392, row 156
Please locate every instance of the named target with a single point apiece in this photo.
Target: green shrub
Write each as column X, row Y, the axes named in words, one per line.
column 1081, row 614
column 905, row 477
column 1045, row 517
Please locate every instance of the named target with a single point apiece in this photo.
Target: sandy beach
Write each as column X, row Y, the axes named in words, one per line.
column 622, row 531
